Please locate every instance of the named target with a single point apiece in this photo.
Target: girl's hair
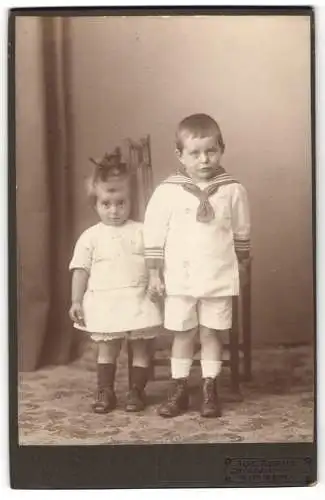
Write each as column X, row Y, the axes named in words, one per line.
column 110, row 170
column 198, row 125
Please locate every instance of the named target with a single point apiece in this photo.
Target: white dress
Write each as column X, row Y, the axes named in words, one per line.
column 199, row 258
column 115, row 301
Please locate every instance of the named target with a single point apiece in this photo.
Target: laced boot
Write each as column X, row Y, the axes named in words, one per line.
column 178, row 399
column 105, row 398
column 135, row 399
column 211, row 407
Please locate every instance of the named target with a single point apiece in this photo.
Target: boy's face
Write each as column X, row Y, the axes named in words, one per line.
column 113, row 208
column 200, row 156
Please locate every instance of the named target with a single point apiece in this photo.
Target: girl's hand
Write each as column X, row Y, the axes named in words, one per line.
column 155, row 288
column 76, row 313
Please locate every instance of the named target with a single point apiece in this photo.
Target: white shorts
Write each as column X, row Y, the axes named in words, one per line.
column 183, row 313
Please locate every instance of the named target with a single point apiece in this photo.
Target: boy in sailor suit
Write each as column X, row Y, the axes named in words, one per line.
column 197, row 240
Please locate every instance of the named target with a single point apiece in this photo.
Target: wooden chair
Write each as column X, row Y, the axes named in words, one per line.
column 138, row 154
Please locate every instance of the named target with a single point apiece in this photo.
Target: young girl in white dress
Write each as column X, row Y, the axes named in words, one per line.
column 109, row 281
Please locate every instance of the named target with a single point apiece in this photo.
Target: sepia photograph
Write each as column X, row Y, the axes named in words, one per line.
column 164, row 161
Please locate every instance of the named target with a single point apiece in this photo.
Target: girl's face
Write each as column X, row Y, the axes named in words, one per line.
column 113, row 207
column 200, row 157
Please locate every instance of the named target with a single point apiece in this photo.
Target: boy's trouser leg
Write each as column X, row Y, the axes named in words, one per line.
column 181, row 362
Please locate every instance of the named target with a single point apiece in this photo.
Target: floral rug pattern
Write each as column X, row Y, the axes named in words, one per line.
column 277, row 406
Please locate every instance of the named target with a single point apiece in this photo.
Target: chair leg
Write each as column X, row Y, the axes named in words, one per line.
column 247, row 343
column 234, row 349
column 151, row 348
column 130, row 361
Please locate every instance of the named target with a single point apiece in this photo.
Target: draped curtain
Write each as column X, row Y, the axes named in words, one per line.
column 44, row 156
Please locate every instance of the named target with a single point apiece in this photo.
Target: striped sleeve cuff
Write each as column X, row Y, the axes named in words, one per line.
column 154, row 257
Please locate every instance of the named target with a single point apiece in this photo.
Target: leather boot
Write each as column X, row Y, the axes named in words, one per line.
column 211, row 407
column 178, row 399
column 135, row 399
column 105, row 398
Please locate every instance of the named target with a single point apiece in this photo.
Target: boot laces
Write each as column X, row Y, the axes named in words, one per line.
column 176, row 392
column 104, row 393
column 209, row 391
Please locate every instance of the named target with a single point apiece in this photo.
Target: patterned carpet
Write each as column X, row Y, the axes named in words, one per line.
column 54, row 405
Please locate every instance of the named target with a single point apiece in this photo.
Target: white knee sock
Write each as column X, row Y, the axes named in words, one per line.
column 210, row 369
column 180, row 367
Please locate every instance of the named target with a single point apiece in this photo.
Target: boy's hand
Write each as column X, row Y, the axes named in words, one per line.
column 76, row 313
column 243, row 272
column 155, row 288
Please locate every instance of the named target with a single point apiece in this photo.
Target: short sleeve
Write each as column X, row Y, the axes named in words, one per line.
column 83, row 252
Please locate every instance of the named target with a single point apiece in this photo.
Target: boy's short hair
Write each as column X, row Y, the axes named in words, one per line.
column 110, row 171
column 198, row 125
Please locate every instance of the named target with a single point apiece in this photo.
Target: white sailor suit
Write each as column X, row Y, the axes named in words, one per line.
column 197, row 234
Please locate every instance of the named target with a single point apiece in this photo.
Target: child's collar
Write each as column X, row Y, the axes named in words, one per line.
column 205, row 211
column 181, row 177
